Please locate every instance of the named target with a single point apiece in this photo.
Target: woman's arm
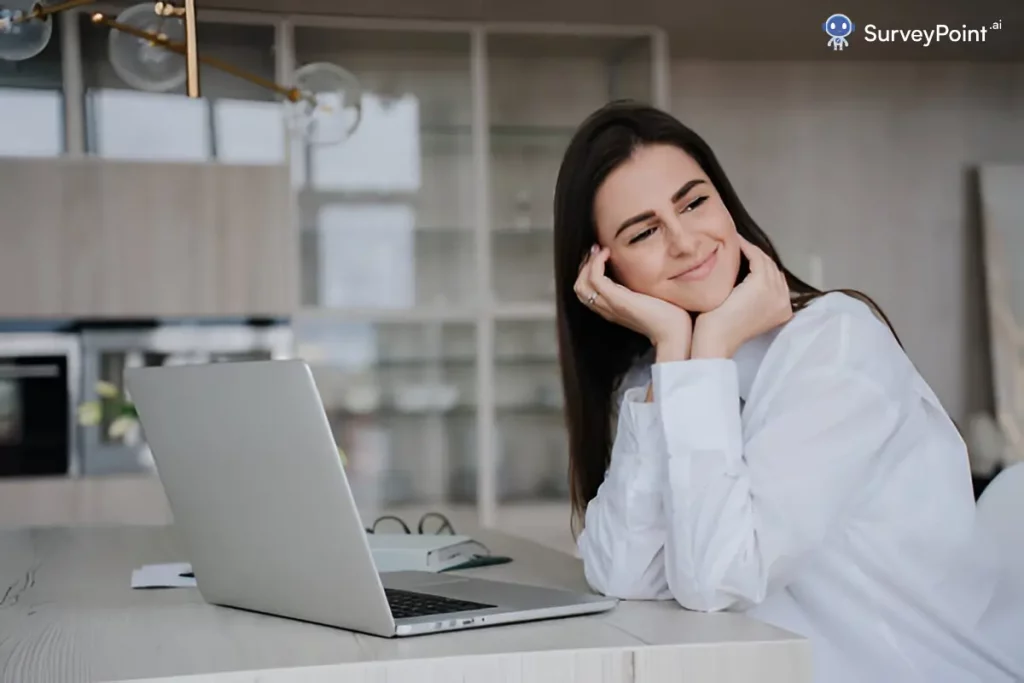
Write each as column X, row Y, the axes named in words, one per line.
column 693, row 508
column 743, row 510
column 623, row 539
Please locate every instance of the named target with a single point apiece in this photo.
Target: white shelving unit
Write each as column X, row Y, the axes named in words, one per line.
column 498, row 104
column 428, row 308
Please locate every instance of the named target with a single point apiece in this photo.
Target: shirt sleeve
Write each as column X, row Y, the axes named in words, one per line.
column 695, row 508
column 623, row 539
column 743, row 510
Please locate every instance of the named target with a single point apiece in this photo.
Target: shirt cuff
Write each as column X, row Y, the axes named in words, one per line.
column 699, row 401
column 637, row 451
column 641, row 415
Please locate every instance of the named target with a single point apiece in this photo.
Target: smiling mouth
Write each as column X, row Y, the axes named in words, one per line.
column 701, row 270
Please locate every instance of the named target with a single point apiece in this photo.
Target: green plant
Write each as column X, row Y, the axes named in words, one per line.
column 113, row 408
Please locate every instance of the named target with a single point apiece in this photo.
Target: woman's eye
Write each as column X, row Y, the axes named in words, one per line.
column 694, row 204
column 643, row 235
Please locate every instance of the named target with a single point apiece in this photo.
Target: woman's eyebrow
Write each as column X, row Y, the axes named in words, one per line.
column 647, row 215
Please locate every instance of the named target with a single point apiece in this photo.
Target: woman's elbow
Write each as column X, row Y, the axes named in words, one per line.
column 598, row 569
column 704, row 602
column 700, row 594
column 625, row 587
column 620, row 579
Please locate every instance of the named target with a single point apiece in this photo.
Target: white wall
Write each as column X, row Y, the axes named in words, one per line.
column 866, row 165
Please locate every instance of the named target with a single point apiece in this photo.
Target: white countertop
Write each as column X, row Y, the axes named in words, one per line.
column 68, row 614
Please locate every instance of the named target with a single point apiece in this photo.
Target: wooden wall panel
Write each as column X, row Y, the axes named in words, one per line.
column 1002, row 205
column 97, row 238
column 31, row 205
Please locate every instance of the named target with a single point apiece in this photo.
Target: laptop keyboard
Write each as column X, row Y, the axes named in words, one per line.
column 406, row 604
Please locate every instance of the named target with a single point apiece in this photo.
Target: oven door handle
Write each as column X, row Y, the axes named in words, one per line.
column 28, row 371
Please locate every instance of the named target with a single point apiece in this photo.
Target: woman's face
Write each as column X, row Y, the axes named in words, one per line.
column 669, row 233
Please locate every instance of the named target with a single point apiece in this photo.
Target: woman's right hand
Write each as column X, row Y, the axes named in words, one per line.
column 668, row 326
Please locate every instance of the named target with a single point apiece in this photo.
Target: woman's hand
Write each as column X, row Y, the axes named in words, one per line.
column 758, row 304
column 667, row 326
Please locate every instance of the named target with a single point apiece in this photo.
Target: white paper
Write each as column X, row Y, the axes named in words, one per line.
column 32, row 122
column 249, row 132
column 367, row 256
column 129, row 124
column 383, row 154
column 163, row 576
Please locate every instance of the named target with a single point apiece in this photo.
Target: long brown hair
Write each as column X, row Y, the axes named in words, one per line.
column 595, row 354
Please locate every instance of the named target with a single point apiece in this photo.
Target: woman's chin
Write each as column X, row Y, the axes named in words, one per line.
column 700, row 302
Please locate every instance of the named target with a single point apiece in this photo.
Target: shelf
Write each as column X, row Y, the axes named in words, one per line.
column 502, row 138
column 539, row 311
column 534, row 359
column 538, row 409
column 425, row 314
column 523, row 360
column 500, row 131
column 389, row 412
column 538, row 229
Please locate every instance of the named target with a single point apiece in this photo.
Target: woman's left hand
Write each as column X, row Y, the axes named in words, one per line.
column 758, row 304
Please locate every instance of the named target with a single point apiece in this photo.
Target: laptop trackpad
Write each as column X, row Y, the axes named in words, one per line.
column 418, row 580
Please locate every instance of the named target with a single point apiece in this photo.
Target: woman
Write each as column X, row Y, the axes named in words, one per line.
column 774, row 451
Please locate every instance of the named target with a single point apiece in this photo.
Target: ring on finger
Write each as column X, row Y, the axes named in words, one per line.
column 592, row 298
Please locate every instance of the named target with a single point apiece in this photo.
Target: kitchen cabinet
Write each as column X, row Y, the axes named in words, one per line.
column 419, row 271
column 99, row 238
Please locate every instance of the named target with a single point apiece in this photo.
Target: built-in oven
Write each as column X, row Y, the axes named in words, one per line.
column 107, row 350
column 39, row 385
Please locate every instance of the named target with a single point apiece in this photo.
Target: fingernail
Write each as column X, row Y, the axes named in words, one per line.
column 594, row 249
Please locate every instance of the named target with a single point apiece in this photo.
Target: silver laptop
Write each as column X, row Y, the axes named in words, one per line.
column 265, row 515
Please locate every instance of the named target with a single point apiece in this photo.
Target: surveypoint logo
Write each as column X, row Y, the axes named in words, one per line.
column 935, row 34
column 838, row 27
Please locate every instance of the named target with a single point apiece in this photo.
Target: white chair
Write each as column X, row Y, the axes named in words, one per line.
column 1001, row 511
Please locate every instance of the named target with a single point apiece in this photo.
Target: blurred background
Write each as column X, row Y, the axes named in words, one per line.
column 411, row 263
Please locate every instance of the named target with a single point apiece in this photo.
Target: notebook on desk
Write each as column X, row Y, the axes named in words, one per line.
column 264, row 511
column 421, row 552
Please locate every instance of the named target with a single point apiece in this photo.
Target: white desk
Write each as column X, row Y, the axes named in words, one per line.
column 67, row 614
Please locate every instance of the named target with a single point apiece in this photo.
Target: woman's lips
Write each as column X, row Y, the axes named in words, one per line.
column 700, row 271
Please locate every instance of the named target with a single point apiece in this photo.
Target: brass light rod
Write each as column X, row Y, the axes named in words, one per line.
column 189, row 49
column 292, row 94
column 42, row 11
column 39, row 11
column 192, row 47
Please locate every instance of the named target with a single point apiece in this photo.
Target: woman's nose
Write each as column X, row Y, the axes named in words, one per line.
column 680, row 240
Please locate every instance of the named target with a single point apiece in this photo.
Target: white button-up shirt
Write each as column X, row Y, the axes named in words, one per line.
column 814, row 482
